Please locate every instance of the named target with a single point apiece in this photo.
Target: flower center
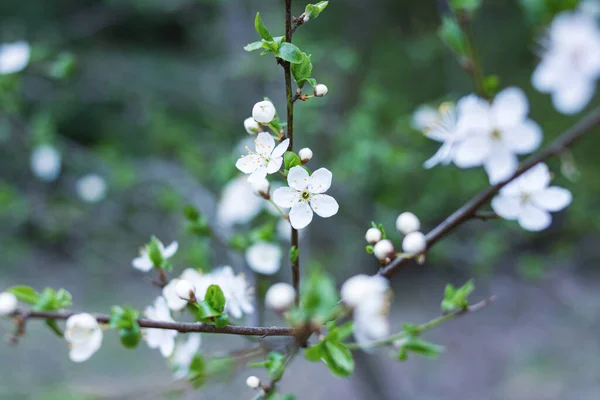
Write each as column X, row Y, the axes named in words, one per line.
column 305, row 195
column 496, row 135
column 525, row 197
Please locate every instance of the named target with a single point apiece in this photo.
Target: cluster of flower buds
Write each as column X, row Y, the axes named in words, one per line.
column 414, row 242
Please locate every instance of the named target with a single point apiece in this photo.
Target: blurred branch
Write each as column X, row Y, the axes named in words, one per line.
column 470, row 209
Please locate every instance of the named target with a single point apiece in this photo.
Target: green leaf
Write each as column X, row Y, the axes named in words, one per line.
column 339, row 359
column 453, row 36
column 290, row 53
column 419, row 346
column 262, row 29
column 205, row 312
column 63, row 299
column 254, row 46
column 53, row 325
column 63, row 67
column 276, row 366
column 264, row 233
column 154, row 253
column 314, row 353
column 301, row 72
column 465, row 5
column 191, row 213
column 221, row 321
column 312, row 11
column 130, row 337
column 457, row 299
column 369, row 249
column 294, row 253
column 319, row 299
column 291, row 159
column 197, row 371
column 215, row 298
column 123, row 317
column 46, row 301
column 25, row 294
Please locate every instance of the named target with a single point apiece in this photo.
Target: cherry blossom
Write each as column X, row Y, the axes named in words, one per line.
column 407, row 222
column 8, row 304
column 14, row 57
column 162, row 339
column 529, row 199
column 238, row 204
column 169, row 292
column 144, row 263
column 496, row 133
column 84, row 336
column 264, row 258
column 45, row 162
column 91, row 188
column 570, row 63
column 373, row 235
column 414, row 243
column 441, row 127
column 321, row 90
column 263, row 112
column 280, row 296
column 238, row 294
column 305, row 195
column 267, row 158
column 383, row 249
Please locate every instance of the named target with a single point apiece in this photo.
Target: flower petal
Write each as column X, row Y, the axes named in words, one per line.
column 248, row 163
column 552, row 199
column 264, row 258
column 325, row 206
column 143, row 263
column 442, row 156
column 473, row 114
column 300, row 215
column 572, row 96
column 510, row 107
column 170, row 250
column 297, row 178
column 548, row 72
column 168, row 344
column 274, row 164
column 523, row 138
column 507, row 207
column 258, row 175
column 500, row 165
column 286, row 197
column 281, row 148
column 537, row 178
column 81, row 351
column 533, row 218
column 265, row 144
column 472, row 151
column 320, row 181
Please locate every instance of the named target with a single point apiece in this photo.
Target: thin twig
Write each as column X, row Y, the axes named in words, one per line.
column 466, row 212
column 183, row 327
column 485, row 215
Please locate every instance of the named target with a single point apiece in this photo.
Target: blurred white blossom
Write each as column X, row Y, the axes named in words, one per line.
column 424, row 117
column 14, row 57
column 144, row 263
column 264, row 258
column 305, row 195
column 280, row 296
column 184, row 354
column 84, row 336
column 91, row 188
column 162, row 339
column 529, row 199
column 238, row 203
column 174, row 302
column 45, row 162
column 441, row 126
column 266, row 159
column 8, row 304
column 570, row 62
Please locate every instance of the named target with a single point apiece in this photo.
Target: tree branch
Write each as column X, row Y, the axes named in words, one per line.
column 183, row 327
column 469, row 210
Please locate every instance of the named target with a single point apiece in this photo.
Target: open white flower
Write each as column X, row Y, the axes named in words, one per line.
column 14, row 57
column 8, row 304
column 184, row 353
column 84, row 336
column 238, row 295
column 144, row 263
column 570, row 64
column 238, row 204
column 45, row 162
column 266, row 160
column 529, row 199
column 305, row 195
column 91, row 188
column 496, row 133
column 264, row 258
column 162, row 339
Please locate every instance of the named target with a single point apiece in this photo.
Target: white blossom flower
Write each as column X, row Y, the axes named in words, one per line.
column 355, row 289
column 266, row 160
column 91, row 188
column 496, row 133
column 529, row 199
column 444, row 128
column 14, row 57
column 261, row 188
column 305, row 155
column 305, row 195
column 162, row 339
column 8, row 304
column 169, row 292
column 321, row 90
column 373, row 235
column 407, row 222
column 84, row 336
column 238, row 294
column 570, row 64
column 280, row 296
column 144, row 263
column 251, row 126
column 184, row 353
column 185, row 290
column 45, row 162
column 253, row 382
column 264, row 258
column 414, row 243
column 383, row 249
column 263, row 112
column 238, row 203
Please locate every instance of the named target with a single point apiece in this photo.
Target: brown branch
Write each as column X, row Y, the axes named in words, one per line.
column 485, row 215
column 183, row 327
column 467, row 211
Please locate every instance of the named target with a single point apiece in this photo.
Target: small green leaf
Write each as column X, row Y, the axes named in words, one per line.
column 290, row 53
column 53, row 325
column 276, row 366
column 123, row 317
column 215, row 298
column 291, row 159
column 46, row 301
column 312, row 82
column 369, row 248
column 301, row 72
column 254, row 46
column 221, row 321
column 294, row 254
column 191, row 213
column 63, row 299
column 419, row 346
column 130, row 337
column 262, row 29
column 339, row 359
column 457, row 299
column 204, row 312
column 314, row 353
column 25, row 294
column 453, row 36
column 154, row 253
column 312, row 11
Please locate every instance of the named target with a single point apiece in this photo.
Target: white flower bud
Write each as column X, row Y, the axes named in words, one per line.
column 321, row 90
column 8, row 304
column 253, row 382
column 407, row 222
column 373, row 235
column 261, row 188
column 263, row 112
column 305, row 155
column 383, row 249
column 251, row 125
column 185, row 290
column 414, row 243
column 280, row 296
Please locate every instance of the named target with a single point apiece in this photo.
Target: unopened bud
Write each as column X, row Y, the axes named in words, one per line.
column 185, row 290
column 321, row 90
column 253, row 382
column 305, row 155
column 261, row 188
column 8, row 304
column 280, row 297
column 414, row 243
column 263, row 112
column 383, row 249
column 373, row 235
column 407, row 222
column 252, row 127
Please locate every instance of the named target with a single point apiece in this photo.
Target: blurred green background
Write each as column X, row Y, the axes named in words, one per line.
column 151, row 95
